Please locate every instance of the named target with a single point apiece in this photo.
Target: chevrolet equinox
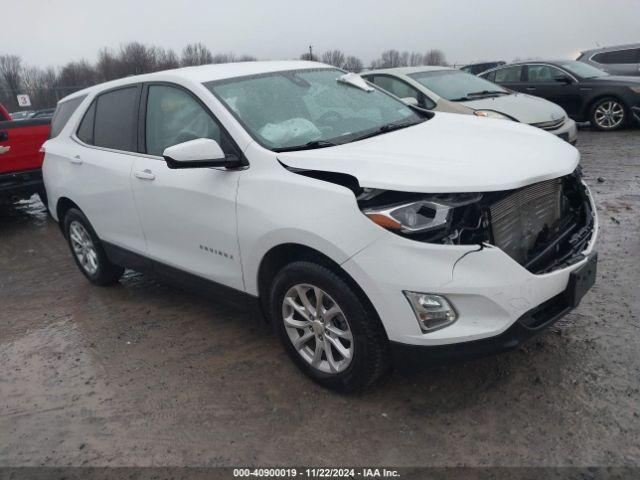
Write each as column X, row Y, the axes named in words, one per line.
column 370, row 233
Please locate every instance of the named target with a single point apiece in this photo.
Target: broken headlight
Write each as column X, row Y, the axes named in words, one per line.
column 441, row 218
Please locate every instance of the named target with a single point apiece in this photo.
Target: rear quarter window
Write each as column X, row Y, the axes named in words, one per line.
column 63, row 113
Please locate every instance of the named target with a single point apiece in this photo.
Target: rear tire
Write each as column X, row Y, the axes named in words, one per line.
column 87, row 250
column 354, row 349
column 608, row 114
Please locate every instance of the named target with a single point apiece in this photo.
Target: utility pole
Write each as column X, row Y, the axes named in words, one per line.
column 310, row 52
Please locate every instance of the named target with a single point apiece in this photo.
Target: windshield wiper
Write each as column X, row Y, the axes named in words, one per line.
column 485, row 93
column 389, row 127
column 307, row 146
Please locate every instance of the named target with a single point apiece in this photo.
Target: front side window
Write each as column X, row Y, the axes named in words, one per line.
column 174, row 116
column 63, row 114
column 456, row 85
column 291, row 108
column 116, row 119
column 628, row 56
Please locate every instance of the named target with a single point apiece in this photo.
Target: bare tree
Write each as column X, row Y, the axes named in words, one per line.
column 391, row 59
column 416, row 59
column 106, row 67
column 166, row 59
column 334, row 57
column 196, row 54
column 224, row 58
column 353, row 64
column 41, row 86
column 309, row 57
column 435, row 57
column 75, row 76
column 247, row 58
column 11, row 78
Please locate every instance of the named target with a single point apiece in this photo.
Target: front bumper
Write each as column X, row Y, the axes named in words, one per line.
column 568, row 131
column 489, row 290
column 528, row 325
column 21, row 184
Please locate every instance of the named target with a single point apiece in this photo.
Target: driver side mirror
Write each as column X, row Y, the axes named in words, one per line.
column 199, row 153
column 562, row 78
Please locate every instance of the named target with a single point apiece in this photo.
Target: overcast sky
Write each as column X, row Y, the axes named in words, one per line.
column 54, row 32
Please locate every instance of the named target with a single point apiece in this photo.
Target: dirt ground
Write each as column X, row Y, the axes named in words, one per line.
column 146, row 374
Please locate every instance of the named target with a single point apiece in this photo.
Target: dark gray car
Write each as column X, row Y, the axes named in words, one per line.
column 620, row 60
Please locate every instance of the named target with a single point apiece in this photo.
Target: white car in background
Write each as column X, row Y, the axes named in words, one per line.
column 362, row 228
column 451, row 90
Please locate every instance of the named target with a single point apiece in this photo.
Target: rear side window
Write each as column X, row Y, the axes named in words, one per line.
column 509, row 74
column 63, row 114
column 619, row 56
column 116, row 119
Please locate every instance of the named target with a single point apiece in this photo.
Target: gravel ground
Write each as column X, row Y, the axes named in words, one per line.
column 147, row 374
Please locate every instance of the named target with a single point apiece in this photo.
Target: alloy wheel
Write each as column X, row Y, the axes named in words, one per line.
column 609, row 114
column 318, row 328
column 83, row 247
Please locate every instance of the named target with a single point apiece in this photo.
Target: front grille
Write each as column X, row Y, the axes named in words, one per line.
column 518, row 219
column 550, row 125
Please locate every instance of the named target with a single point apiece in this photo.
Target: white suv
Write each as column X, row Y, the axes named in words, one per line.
column 368, row 232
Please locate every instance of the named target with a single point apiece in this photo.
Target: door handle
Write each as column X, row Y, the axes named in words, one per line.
column 530, row 89
column 144, row 175
column 76, row 160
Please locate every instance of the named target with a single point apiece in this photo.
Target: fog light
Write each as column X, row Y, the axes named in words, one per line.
column 432, row 311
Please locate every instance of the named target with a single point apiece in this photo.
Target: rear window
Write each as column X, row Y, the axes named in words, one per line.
column 63, row 114
column 116, row 119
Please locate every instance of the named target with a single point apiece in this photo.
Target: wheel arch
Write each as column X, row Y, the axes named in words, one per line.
column 281, row 255
column 63, row 205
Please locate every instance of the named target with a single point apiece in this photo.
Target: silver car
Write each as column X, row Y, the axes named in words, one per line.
column 451, row 90
column 620, row 60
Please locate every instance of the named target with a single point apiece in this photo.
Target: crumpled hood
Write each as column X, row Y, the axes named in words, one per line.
column 448, row 153
column 522, row 107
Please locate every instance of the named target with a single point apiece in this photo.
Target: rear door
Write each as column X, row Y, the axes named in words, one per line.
column 188, row 215
column 98, row 160
column 542, row 80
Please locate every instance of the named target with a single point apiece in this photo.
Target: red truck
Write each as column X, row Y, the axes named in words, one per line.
column 20, row 156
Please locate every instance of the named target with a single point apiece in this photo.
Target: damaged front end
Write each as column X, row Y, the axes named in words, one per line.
column 544, row 226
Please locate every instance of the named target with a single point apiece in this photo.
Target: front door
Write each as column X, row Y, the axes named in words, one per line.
column 544, row 81
column 188, row 215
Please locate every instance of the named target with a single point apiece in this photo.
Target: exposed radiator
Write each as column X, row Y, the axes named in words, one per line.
column 518, row 219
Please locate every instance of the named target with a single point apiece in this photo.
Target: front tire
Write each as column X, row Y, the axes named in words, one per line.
column 87, row 250
column 608, row 114
column 326, row 328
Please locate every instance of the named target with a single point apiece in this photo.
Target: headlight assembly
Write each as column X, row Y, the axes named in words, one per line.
column 491, row 114
column 431, row 212
column 440, row 217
